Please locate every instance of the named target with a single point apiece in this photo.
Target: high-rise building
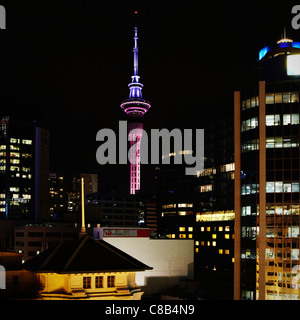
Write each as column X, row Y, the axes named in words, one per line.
column 58, row 196
column 135, row 107
column 24, row 170
column 90, row 187
column 201, row 207
column 266, row 259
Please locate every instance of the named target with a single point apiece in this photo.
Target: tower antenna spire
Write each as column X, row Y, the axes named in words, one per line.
column 136, row 49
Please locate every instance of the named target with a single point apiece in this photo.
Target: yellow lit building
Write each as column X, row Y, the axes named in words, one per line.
column 86, row 269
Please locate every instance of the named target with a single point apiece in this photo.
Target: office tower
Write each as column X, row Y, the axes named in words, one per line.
column 24, row 169
column 267, row 179
column 90, row 187
column 135, row 107
column 58, row 196
column 200, row 207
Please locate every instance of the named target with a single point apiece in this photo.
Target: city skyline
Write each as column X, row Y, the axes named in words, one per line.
column 227, row 72
column 68, row 63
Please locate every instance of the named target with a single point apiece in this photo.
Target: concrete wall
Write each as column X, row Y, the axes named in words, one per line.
column 172, row 260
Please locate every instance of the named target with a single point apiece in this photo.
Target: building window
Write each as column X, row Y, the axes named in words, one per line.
column 214, row 236
column 99, row 282
column 182, row 229
column 26, row 141
column 290, row 119
column 86, row 282
column 206, row 188
column 227, row 236
column 182, row 236
column 273, row 120
column 111, row 281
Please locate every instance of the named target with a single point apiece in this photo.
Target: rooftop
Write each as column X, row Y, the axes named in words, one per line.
column 84, row 255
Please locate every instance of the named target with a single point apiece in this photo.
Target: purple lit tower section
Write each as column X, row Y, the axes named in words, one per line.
column 135, row 108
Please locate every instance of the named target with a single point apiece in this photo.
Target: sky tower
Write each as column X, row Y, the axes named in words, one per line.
column 135, row 107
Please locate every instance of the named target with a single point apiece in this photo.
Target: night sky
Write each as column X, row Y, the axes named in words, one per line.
column 68, row 64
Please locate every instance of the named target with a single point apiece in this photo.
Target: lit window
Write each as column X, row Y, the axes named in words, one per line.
column 191, row 229
column 14, row 161
column 227, row 236
column 196, row 243
column 214, row 236
column 190, row 236
column 206, row 188
column 14, row 140
column 111, row 281
column 228, row 167
column 15, row 196
column 227, row 228
column 12, row 147
column 182, row 236
column 208, row 229
column 24, row 141
column 290, row 119
column 220, row 251
column 214, row 243
column 270, row 98
column 26, row 155
column 220, row 229
column 26, row 196
column 273, row 120
column 208, row 243
column 202, row 229
column 202, row 243
column 3, row 147
column 185, row 205
column 182, row 229
column 286, row 97
column 227, row 251
column 14, row 189
column 25, row 169
column 15, row 155
column 197, row 250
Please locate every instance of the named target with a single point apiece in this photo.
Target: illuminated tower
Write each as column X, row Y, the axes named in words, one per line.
column 135, row 108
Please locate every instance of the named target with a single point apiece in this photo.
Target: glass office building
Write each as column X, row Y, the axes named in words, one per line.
column 267, row 179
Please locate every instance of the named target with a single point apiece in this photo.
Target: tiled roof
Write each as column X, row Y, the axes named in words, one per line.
column 84, row 255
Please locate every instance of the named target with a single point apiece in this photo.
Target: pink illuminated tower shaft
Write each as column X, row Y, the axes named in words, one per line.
column 135, row 107
column 135, row 137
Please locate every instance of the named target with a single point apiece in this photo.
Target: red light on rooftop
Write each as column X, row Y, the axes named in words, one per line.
column 135, row 12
